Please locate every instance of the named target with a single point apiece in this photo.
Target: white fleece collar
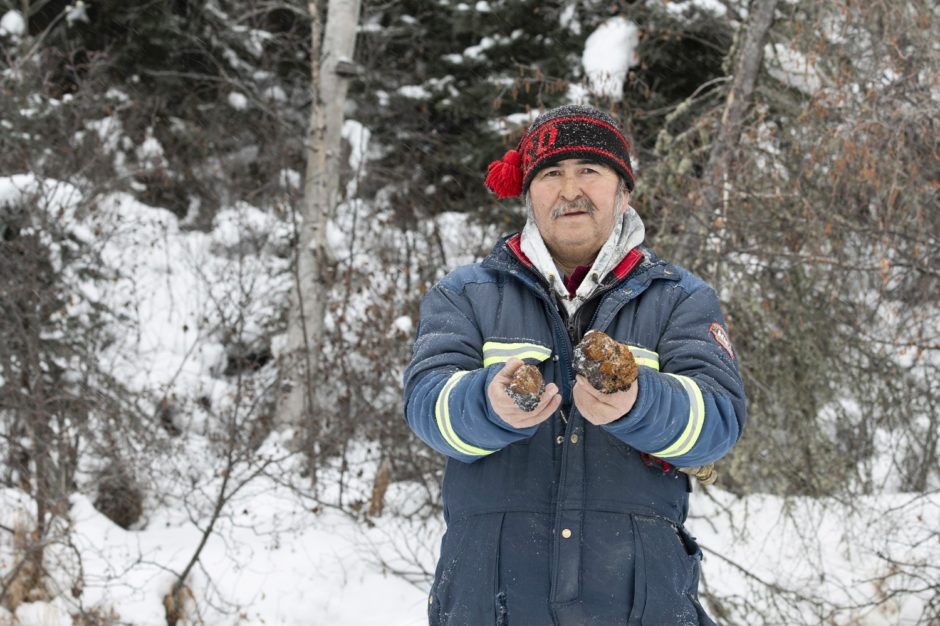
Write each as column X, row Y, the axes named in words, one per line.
column 627, row 234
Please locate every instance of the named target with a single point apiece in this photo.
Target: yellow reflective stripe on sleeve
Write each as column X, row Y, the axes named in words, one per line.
column 500, row 352
column 442, row 414
column 642, row 356
column 693, row 429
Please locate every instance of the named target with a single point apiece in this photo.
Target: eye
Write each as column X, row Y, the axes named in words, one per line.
column 589, row 170
column 553, row 172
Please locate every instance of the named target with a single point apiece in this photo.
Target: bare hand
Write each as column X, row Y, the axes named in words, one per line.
column 601, row 408
column 507, row 408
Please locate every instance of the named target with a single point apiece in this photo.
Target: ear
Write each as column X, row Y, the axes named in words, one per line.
column 623, row 201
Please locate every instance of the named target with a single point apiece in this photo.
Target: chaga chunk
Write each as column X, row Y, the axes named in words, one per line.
column 526, row 387
column 607, row 364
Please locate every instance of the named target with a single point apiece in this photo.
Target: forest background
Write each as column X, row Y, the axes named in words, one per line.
column 159, row 172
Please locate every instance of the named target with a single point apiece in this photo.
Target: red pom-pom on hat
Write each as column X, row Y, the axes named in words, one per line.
column 504, row 177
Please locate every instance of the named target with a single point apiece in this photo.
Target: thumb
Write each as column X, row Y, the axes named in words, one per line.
column 510, row 368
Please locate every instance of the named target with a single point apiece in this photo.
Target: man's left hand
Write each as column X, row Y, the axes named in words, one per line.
column 601, row 408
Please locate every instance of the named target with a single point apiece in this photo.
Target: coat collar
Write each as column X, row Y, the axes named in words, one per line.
column 639, row 268
column 627, row 235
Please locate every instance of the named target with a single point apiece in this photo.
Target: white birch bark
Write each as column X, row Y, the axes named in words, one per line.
column 321, row 196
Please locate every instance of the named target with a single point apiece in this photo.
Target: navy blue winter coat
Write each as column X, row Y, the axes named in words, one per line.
column 567, row 522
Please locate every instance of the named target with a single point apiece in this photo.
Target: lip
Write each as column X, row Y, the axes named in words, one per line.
column 574, row 214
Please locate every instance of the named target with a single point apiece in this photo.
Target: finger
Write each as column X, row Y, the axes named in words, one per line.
column 586, row 404
column 550, row 391
column 591, row 408
column 541, row 416
column 551, row 400
column 582, row 399
column 501, row 380
column 586, row 388
column 542, row 410
column 548, row 406
column 508, row 370
column 608, row 399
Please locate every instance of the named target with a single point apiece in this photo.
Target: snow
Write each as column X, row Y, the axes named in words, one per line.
column 578, row 94
column 289, row 179
column 77, row 12
column 43, row 614
column 169, row 286
column 609, row 52
column 272, row 560
column 513, row 122
column 476, row 52
column 829, row 553
column 151, row 151
column 372, row 25
column 568, row 19
column 403, row 325
column 275, row 94
column 679, row 7
column 237, row 101
column 358, row 137
column 57, row 196
column 12, row 24
column 792, row 68
column 415, row 92
column 113, row 93
column 113, row 140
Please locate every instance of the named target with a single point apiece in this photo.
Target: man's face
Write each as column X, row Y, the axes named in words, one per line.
column 575, row 206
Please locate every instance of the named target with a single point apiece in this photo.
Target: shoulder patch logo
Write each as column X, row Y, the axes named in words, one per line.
column 720, row 335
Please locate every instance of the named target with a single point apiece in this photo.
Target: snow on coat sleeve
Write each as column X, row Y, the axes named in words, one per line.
column 692, row 411
column 445, row 383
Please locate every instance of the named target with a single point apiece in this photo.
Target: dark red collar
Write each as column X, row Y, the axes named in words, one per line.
column 514, row 243
column 627, row 264
column 577, row 277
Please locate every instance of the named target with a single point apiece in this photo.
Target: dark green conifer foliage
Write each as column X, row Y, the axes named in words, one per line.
column 476, row 66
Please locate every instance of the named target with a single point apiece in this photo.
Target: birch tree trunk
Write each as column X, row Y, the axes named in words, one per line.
column 296, row 405
column 717, row 179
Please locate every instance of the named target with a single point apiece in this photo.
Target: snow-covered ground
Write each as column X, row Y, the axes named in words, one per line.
column 272, row 560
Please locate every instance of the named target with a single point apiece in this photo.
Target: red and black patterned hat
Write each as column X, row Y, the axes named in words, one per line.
column 565, row 132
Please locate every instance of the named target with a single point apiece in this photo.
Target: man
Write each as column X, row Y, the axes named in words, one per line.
column 571, row 513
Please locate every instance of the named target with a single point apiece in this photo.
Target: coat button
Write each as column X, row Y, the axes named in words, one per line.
column 574, row 438
column 566, row 533
column 560, row 439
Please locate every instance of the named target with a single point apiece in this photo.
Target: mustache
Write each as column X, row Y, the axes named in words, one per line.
column 582, row 204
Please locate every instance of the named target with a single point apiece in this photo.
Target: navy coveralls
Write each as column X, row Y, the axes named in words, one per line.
column 567, row 522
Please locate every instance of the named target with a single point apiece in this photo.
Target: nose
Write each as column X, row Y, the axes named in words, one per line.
column 570, row 190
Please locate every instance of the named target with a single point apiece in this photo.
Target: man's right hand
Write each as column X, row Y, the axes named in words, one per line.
column 507, row 408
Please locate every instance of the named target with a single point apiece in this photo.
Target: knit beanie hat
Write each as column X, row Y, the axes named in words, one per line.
column 566, row 132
